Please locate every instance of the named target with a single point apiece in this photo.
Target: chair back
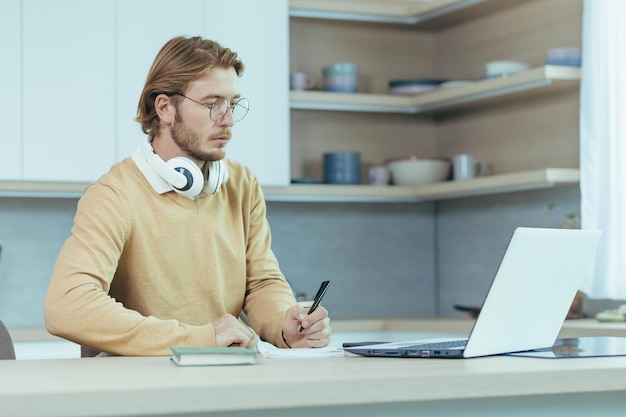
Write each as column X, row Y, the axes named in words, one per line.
column 7, row 350
column 87, row 352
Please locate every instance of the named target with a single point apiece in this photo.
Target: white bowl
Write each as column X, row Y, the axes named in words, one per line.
column 418, row 170
column 495, row 68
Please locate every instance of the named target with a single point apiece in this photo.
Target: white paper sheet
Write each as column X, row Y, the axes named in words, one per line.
column 270, row 351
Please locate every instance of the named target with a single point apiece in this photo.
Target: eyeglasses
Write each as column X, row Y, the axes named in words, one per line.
column 218, row 109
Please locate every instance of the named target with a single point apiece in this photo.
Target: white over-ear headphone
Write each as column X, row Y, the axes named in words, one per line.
column 183, row 175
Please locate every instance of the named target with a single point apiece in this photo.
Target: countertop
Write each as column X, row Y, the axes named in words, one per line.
column 439, row 325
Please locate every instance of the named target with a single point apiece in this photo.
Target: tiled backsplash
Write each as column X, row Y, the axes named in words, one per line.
column 382, row 258
column 32, row 231
column 379, row 257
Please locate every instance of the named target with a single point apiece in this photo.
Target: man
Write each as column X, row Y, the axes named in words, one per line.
column 172, row 245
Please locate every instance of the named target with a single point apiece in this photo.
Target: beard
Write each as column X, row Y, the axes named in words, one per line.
column 190, row 143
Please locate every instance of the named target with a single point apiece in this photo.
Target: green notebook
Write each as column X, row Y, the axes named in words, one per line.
column 198, row 356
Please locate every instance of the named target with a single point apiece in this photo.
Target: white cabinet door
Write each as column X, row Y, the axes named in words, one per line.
column 85, row 64
column 10, row 105
column 259, row 32
column 144, row 26
column 69, row 89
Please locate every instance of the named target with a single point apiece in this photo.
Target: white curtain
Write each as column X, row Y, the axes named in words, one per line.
column 603, row 143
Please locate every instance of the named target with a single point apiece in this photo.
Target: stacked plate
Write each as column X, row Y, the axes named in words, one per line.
column 564, row 56
column 414, row 86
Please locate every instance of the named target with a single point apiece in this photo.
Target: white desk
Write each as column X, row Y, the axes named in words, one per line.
column 348, row 386
column 125, row 386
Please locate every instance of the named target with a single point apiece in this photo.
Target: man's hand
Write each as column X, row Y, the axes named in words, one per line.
column 231, row 332
column 316, row 331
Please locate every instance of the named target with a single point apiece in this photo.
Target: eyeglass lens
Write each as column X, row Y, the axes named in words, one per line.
column 239, row 109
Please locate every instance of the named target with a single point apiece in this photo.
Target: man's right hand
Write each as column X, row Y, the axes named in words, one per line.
column 229, row 331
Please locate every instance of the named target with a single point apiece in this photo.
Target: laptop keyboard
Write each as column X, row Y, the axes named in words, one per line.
column 440, row 345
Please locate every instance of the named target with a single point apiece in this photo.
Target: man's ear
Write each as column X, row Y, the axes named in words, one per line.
column 165, row 109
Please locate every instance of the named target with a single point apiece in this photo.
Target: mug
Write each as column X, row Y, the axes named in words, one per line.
column 342, row 168
column 342, row 77
column 466, row 166
column 301, row 81
column 379, row 175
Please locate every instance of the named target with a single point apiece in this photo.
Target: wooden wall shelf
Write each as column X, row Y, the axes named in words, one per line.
column 427, row 15
column 541, row 80
column 520, row 181
column 494, row 184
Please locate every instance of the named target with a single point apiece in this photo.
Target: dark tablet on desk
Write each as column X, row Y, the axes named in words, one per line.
column 580, row 347
column 357, row 344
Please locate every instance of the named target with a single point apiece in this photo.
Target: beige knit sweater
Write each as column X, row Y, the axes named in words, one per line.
column 144, row 271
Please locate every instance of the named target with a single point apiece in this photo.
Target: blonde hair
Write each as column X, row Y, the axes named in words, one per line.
column 180, row 61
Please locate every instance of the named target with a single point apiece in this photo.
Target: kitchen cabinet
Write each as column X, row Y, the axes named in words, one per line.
column 143, row 27
column 83, row 65
column 525, row 125
column 68, row 89
column 10, row 105
column 259, row 32
column 151, row 23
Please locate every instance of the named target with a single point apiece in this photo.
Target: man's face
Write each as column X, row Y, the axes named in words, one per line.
column 193, row 130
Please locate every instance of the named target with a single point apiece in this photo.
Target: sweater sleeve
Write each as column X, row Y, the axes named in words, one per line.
column 268, row 294
column 77, row 305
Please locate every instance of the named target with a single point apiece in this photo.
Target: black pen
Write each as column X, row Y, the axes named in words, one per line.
column 317, row 299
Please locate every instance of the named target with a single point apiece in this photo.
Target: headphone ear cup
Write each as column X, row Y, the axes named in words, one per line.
column 218, row 175
column 195, row 179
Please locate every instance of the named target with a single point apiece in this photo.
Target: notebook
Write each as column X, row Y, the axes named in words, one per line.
column 526, row 304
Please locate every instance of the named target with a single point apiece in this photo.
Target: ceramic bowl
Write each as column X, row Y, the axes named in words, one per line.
column 417, row 170
column 499, row 68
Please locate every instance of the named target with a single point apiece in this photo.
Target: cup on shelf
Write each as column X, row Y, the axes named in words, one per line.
column 379, row 175
column 342, row 77
column 342, row 168
column 301, row 81
column 465, row 166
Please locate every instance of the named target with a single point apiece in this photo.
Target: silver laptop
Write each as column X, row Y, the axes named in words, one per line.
column 526, row 305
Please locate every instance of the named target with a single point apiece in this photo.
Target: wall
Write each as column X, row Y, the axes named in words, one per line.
column 316, row 43
column 523, row 132
column 381, row 258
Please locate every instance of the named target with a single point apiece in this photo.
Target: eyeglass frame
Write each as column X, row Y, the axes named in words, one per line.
column 230, row 106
